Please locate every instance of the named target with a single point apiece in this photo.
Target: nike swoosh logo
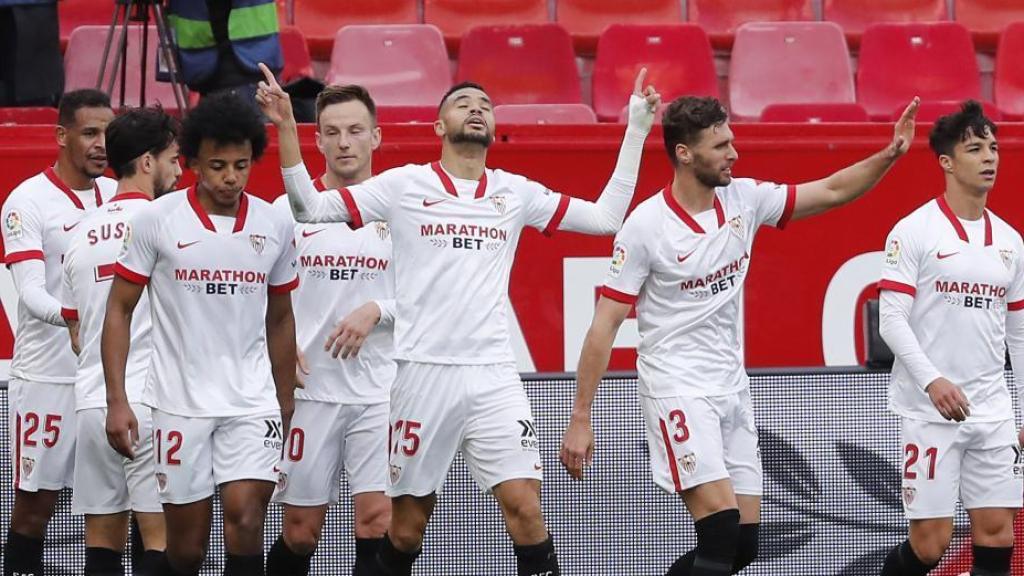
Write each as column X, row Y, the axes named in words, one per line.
column 429, row 203
column 682, row 259
column 944, row 256
column 538, row 467
column 306, row 234
column 183, row 245
column 70, row 228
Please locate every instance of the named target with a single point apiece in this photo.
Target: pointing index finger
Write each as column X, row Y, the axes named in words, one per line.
column 638, row 85
column 268, row 75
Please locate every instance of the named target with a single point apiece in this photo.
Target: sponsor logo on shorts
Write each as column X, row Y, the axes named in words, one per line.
column 161, row 481
column 688, row 463
column 395, row 472
column 27, row 466
column 528, row 436
column 274, row 436
column 282, row 480
column 1018, row 462
column 909, row 492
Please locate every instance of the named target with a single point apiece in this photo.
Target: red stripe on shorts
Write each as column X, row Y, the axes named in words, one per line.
column 672, row 465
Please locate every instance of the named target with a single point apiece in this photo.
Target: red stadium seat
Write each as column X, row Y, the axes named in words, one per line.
column 624, row 113
column 530, row 64
column 544, row 114
column 82, row 66
column 587, row 19
column 10, row 116
column 856, row 15
column 677, row 56
column 788, row 62
column 320, row 20
column 75, row 13
column 455, row 17
column 899, row 61
column 815, row 113
column 987, row 18
column 1009, row 75
column 721, row 18
column 407, row 114
column 931, row 110
column 401, row 65
column 297, row 63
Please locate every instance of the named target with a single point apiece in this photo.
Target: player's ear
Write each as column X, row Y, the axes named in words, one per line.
column 61, row 134
column 947, row 163
column 375, row 138
column 439, row 128
column 684, row 156
column 146, row 163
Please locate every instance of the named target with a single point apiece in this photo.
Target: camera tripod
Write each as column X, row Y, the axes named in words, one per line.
column 138, row 11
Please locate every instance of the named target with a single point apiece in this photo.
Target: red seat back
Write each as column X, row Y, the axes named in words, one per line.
column 587, row 19
column 320, row 20
column 788, row 62
column 1009, row 75
column 401, row 65
column 297, row 62
column 986, row 19
column 677, row 56
column 856, row 15
column 28, row 116
column 815, row 113
column 456, row 17
column 721, row 18
column 529, row 64
column 899, row 61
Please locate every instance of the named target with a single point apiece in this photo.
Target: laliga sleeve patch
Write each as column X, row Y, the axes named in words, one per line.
column 12, row 225
column 892, row 253
column 618, row 261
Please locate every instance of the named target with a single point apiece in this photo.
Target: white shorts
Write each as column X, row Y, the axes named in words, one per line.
column 437, row 410
column 195, row 455
column 105, row 481
column 696, row 440
column 41, row 418
column 980, row 461
column 326, row 438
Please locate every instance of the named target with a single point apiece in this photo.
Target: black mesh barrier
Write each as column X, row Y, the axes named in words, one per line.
column 831, row 506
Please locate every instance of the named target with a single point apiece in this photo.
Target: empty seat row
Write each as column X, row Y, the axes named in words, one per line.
column 586, row 19
column 406, row 67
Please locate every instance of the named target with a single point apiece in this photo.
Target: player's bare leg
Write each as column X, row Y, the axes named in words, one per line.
column 534, row 548
column 153, row 531
column 188, row 532
column 929, row 538
column 372, row 517
column 23, row 552
column 992, row 538
column 303, row 527
column 404, row 540
column 245, row 509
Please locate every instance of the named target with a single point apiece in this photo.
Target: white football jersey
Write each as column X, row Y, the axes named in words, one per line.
column 964, row 276
column 88, row 272
column 454, row 244
column 208, row 288
column 40, row 216
column 685, row 273
column 341, row 269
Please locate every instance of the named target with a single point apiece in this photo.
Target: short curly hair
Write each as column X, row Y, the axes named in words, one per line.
column 224, row 118
column 957, row 127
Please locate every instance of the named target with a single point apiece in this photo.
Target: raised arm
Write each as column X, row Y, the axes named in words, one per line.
column 853, row 181
column 306, row 203
column 115, row 341
column 578, row 441
column 605, row 216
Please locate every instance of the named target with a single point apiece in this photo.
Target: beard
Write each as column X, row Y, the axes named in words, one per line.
column 465, row 137
column 709, row 177
column 162, row 185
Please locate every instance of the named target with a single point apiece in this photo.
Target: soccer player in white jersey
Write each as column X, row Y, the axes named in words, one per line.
column 455, row 225
column 39, row 217
column 952, row 296
column 142, row 151
column 219, row 266
column 341, row 415
column 682, row 257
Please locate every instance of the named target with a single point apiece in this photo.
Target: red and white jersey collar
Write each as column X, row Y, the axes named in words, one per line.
column 51, row 175
column 679, row 211
column 449, row 186
column 958, row 226
column 204, row 218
